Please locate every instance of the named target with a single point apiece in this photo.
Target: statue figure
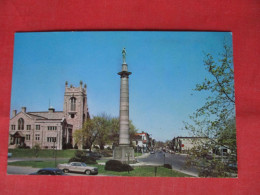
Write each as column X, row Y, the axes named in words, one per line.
column 124, row 54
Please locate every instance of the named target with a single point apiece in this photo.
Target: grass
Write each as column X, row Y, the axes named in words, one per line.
column 138, row 154
column 142, row 171
column 37, row 163
column 44, row 153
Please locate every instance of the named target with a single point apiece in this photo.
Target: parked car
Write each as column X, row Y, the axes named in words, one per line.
column 152, row 152
column 48, row 171
column 94, row 155
column 78, row 167
column 232, row 166
column 9, row 155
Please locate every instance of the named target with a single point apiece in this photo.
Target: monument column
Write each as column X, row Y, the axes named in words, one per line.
column 124, row 152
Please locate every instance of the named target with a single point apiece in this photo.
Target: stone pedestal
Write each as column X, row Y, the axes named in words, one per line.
column 125, row 154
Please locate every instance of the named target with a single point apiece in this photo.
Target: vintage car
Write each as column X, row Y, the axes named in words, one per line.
column 78, row 167
column 48, row 171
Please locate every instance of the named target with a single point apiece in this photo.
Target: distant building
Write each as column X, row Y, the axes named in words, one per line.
column 186, row 143
column 142, row 141
column 50, row 129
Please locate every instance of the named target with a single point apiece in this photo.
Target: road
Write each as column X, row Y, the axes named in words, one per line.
column 16, row 170
column 176, row 160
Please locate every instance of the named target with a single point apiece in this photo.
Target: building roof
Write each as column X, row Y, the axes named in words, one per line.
column 47, row 115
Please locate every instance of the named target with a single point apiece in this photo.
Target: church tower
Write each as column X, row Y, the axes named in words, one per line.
column 75, row 106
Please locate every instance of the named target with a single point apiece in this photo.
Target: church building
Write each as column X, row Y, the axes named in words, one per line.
column 51, row 129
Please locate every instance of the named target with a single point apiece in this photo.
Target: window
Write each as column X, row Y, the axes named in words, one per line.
column 52, row 127
column 37, row 136
column 38, row 127
column 13, row 127
column 51, row 139
column 28, row 127
column 72, row 104
column 28, row 137
column 20, row 124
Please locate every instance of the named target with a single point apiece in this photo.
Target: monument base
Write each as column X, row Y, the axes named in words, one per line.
column 125, row 154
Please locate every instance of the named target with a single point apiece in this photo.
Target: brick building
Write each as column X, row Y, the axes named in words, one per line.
column 51, row 128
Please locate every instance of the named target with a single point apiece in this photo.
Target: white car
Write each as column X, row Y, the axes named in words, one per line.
column 78, row 167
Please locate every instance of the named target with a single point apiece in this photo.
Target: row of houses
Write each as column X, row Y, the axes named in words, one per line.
column 185, row 144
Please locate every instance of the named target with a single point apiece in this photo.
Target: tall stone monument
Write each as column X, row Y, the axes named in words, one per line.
column 124, row 152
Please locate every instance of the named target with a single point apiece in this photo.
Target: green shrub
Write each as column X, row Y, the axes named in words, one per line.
column 107, row 153
column 80, row 156
column 85, row 159
column 115, row 165
column 168, row 166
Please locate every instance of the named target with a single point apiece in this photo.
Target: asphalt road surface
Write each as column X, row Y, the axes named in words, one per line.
column 176, row 160
column 16, row 170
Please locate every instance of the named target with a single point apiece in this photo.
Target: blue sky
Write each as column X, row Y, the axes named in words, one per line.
column 165, row 68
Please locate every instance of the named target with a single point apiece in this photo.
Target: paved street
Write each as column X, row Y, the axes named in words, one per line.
column 16, row 170
column 176, row 160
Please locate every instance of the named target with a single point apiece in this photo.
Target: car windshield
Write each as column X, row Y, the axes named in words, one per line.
column 83, row 164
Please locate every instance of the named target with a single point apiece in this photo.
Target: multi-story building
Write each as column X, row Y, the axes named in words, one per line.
column 183, row 144
column 142, row 141
column 50, row 129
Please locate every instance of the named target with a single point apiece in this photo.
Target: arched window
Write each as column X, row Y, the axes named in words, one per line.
column 72, row 104
column 21, row 124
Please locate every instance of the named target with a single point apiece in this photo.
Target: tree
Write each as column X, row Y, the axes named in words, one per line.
column 114, row 130
column 36, row 149
column 87, row 135
column 102, row 124
column 101, row 130
column 216, row 119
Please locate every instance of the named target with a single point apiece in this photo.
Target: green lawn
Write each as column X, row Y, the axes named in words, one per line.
column 138, row 154
column 29, row 153
column 45, row 153
column 37, row 164
column 142, row 171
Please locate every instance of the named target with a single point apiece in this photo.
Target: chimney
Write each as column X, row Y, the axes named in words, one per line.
column 24, row 109
column 51, row 110
column 14, row 113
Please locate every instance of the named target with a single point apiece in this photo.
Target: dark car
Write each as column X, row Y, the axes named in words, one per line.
column 94, row 155
column 48, row 171
column 232, row 166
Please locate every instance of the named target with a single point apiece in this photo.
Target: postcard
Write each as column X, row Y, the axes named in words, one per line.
column 123, row 103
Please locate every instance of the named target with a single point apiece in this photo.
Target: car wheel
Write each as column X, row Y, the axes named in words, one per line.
column 65, row 170
column 87, row 172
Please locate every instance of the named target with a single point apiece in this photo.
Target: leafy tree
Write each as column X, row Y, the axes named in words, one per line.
column 216, row 119
column 87, row 135
column 102, row 124
column 101, row 130
column 36, row 149
column 114, row 130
